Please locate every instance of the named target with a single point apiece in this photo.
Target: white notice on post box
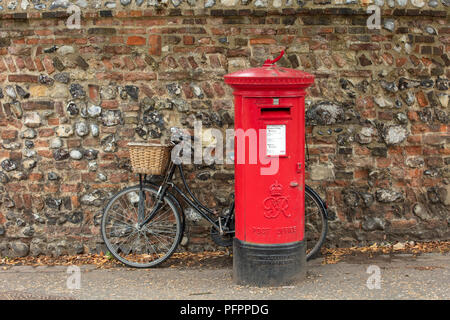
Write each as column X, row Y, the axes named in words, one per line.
column 276, row 139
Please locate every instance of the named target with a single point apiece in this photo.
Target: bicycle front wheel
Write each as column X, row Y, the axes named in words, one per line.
column 316, row 223
column 135, row 246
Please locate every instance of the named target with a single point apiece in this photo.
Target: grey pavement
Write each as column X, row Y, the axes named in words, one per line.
column 401, row 276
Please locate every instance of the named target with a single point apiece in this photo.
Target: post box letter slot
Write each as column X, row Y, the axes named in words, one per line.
column 275, row 112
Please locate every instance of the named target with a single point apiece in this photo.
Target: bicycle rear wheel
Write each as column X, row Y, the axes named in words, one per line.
column 316, row 223
column 146, row 246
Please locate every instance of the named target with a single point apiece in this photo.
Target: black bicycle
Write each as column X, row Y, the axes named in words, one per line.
column 142, row 225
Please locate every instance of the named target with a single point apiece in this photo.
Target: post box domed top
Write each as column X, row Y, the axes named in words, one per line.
column 269, row 75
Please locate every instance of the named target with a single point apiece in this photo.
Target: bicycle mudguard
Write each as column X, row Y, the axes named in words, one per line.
column 323, row 204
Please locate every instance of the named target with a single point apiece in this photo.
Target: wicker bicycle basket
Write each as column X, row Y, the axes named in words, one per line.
column 149, row 158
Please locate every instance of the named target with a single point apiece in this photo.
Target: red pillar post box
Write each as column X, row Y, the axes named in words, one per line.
column 269, row 247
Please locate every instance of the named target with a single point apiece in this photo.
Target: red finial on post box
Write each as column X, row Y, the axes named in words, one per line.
column 269, row 62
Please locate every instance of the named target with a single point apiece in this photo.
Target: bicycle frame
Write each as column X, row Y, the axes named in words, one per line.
column 204, row 211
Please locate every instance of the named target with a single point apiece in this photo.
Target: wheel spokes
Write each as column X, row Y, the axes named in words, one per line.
column 140, row 245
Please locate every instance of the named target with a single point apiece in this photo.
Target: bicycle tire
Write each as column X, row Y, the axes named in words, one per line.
column 321, row 211
column 114, row 250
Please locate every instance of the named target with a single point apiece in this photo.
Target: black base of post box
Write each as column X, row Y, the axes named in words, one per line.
column 268, row 264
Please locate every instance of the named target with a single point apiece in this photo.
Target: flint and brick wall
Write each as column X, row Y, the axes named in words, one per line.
column 71, row 99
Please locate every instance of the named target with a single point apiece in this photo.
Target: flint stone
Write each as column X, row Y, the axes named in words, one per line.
column 94, row 129
column 64, row 130
column 62, row 77
column 418, row 3
column 94, row 111
column 197, row 91
column 409, row 98
column 428, row 83
column 16, row 109
column 82, row 3
column 76, row 154
column 261, row 3
column 133, row 92
column 351, row 198
column 22, row 93
column 389, row 24
column 404, row 83
column 108, row 92
column 28, row 231
column 9, row 203
column 59, row 4
column 430, row 30
column 325, row 113
column 65, row 50
column 442, row 84
column 51, row 49
column 389, row 86
column 152, row 118
column 24, row 4
column 29, row 133
column 60, row 154
column 75, row 217
column 9, row 165
column 386, row 196
column 55, row 143
column 72, row 109
column 32, row 119
column 394, row 134
column 95, row 198
column 58, row 64
column 401, row 118
column 52, row 176
column 11, row 146
column 29, row 153
column 174, row 88
column 373, row 223
column 38, row 247
column 4, row 177
column 29, row 164
column 109, row 143
column 365, row 135
column 111, row 118
column 29, row 144
column 18, row 175
column 420, row 211
column 383, row 102
column 92, row 166
column 12, row 5
column 77, row 91
column 443, row 99
column 90, row 154
column 19, row 249
column 10, row 92
column 81, row 129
